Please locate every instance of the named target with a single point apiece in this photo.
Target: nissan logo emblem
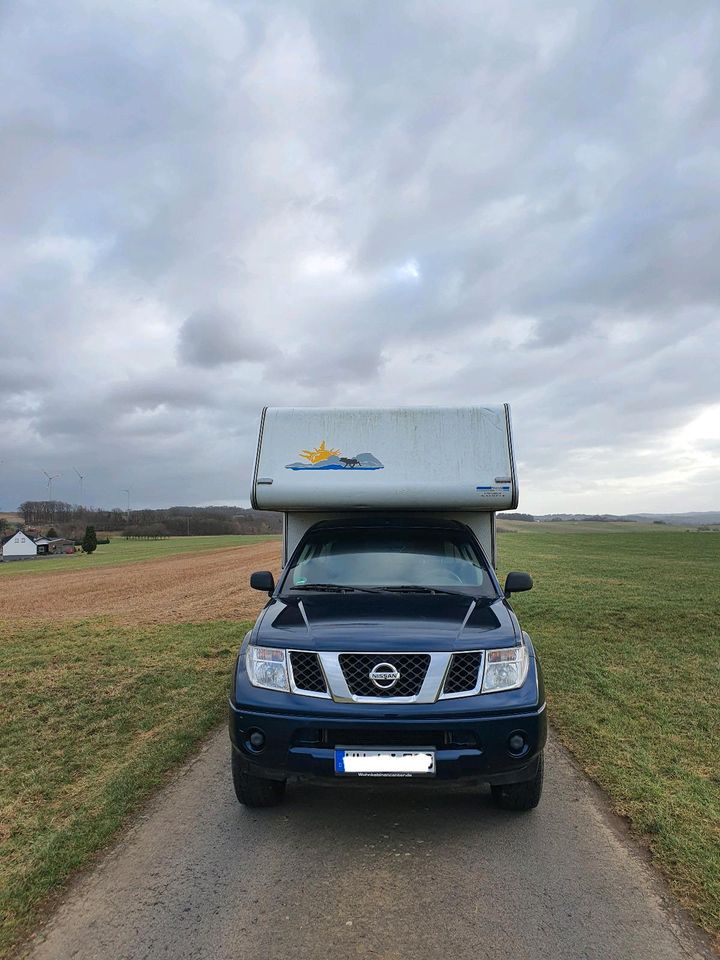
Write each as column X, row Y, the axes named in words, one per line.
column 384, row 675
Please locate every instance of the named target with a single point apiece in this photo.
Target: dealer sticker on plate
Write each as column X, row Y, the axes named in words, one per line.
column 385, row 763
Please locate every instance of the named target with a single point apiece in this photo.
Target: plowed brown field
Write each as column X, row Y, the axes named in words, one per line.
column 180, row 589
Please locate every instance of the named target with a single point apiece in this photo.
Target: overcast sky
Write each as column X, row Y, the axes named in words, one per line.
column 208, row 206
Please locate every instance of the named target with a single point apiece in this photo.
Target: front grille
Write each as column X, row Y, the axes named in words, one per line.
column 307, row 672
column 412, row 668
column 463, row 673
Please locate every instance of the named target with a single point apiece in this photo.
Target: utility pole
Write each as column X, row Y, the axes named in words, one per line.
column 128, row 504
column 188, row 526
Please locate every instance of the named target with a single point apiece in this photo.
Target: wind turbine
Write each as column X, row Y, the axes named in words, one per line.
column 50, row 496
column 80, row 478
column 50, row 482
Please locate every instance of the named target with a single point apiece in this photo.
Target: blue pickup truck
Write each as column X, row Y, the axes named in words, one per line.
column 388, row 649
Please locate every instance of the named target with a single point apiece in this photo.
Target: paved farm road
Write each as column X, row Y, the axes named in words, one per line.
column 387, row 873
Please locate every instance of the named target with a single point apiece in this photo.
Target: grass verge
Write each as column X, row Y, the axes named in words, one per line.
column 627, row 629
column 92, row 717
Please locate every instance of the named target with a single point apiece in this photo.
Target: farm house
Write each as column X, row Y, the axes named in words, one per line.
column 18, row 546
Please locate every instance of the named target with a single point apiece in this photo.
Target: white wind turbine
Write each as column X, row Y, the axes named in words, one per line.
column 80, row 478
column 50, row 494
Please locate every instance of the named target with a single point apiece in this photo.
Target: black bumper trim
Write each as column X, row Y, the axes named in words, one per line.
column 295, row 747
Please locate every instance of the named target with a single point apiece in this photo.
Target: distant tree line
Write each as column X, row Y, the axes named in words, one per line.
column 44, row 511
column 568, row 517
column 70, row 520
column 590, row 518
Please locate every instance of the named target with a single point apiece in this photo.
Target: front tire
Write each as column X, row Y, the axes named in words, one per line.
column 254, row 791
column 521, row 796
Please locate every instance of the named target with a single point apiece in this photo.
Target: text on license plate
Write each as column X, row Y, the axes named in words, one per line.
column 383, row 763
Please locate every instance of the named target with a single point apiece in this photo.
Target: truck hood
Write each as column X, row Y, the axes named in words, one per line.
column 387, row 623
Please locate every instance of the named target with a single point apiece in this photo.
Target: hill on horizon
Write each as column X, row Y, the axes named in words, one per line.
column 696, row 518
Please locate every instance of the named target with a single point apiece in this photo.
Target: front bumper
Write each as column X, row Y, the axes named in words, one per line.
column 468, row 743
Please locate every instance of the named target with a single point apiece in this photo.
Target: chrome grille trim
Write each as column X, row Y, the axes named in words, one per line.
column 410, row 673
column 430, row 692
column 307, row 672
column 323, row 695
column 478, row 682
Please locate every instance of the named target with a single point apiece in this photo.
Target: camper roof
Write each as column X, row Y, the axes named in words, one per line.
column 408, row 458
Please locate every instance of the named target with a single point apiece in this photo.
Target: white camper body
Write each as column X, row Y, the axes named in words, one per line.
column 317, row 463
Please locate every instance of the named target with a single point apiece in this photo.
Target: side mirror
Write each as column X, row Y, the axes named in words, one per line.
column 517, row 582
column 262, row 580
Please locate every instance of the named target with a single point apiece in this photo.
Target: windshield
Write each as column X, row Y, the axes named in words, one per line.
column 390, row 558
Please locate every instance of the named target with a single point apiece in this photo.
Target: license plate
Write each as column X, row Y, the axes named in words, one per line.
column 384, row 763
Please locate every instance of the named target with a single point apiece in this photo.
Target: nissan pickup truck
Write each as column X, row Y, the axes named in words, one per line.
column 388, row 649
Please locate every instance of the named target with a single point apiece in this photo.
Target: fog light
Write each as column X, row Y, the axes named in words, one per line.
column 257, row 739
column 516, row 743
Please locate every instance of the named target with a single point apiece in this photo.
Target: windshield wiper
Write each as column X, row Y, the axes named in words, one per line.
column 411, row 588
column 337, row 588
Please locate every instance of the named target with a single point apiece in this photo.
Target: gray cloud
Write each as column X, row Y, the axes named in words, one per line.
column 209, row 338
column 213, row 206
column 170, row 390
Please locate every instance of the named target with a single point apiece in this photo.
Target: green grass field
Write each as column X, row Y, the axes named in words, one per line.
column 628, row 629
column 127, row 551
column 92, row 716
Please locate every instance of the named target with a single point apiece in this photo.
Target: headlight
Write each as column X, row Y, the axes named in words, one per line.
column 267, row 667
column 505, row 669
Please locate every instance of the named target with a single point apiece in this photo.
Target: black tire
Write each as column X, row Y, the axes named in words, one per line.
column 255, row 791
column 521, row 796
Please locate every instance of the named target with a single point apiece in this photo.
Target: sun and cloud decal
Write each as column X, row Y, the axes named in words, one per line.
column 329, row 458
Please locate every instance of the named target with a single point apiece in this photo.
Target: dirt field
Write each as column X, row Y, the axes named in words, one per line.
column 179, row 589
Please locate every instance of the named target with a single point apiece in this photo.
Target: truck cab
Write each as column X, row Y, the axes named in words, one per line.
column 387, row 648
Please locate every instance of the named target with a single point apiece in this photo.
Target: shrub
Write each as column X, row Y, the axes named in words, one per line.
column 89, row 543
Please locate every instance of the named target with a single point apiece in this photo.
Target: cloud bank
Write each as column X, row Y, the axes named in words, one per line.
column 208, row 207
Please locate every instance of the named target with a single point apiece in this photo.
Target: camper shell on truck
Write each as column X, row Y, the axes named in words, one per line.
column 387, row 648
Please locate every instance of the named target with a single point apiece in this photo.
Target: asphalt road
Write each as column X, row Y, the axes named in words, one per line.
column 387, row 872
